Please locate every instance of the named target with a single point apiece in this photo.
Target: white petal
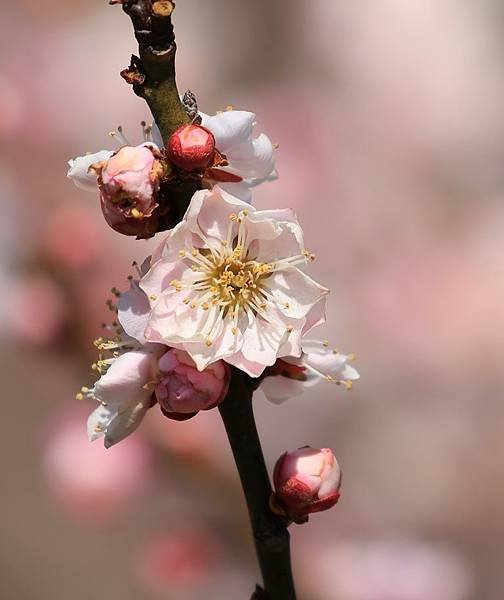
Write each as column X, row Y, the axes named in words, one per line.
column 229, row 128
column 99, row 420
column 79, row 169
column 278, row 389
column 133, row 312
column 127, row 421
column 209, row 211
column 254, row 369
column 288, row 240
column 328, row 361
column 253, row 159
column 125, row 378
column 262, row 340
column 240, row 190
column 157, row 280
column 294, row 292
column 316, row 316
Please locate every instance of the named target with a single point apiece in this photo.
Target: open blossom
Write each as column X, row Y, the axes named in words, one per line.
column 306, row 481
column 290, row 376
column 227, row 284
column 136, row 376
column 183, row 390
column 123, row 391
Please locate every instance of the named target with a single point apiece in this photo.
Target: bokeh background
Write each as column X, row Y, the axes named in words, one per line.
column 390, row 120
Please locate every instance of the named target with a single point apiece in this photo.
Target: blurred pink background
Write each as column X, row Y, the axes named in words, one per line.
column 390, row 120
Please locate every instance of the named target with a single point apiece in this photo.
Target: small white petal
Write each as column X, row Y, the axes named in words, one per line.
column 209, row 210
column 99, row 420
column 127, row 421
column 253, row 159
column 278, row 389
column 79, row 169
column 125, row 378
column 294, row 292
column 133, row 312
column 229, row 128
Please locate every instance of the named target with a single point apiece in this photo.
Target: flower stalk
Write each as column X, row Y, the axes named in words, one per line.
column 270, row 532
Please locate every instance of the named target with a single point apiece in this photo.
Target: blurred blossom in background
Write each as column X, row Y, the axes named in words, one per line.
column 390, row 120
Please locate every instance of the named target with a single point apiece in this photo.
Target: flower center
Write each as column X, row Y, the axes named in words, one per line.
column 229, row 281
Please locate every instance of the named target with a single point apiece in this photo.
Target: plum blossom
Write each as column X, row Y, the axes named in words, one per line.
column 123, row 391
column 291, row 376
column 227, row 284
column 306, row 480
column 134, row 376
column 135, row 380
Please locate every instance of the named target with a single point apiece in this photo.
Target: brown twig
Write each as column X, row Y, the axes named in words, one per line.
column 270, row 531
column 152, row 73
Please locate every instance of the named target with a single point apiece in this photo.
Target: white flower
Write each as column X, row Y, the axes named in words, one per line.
column 122, row 391
column 249, row 159
column 291, row 376
column 226, row 284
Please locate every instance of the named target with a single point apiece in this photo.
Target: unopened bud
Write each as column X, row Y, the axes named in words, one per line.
column 306, row 481
column 129, row 182
column 191, row 147
column 182, row 390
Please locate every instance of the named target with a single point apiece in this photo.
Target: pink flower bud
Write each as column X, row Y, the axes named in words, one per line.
column 306, row 480
column 129, row 182
column 191, row 147
column 182, row 390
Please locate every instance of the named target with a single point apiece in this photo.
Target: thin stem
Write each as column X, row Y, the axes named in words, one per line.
column 152, row 74
column 270, row 531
